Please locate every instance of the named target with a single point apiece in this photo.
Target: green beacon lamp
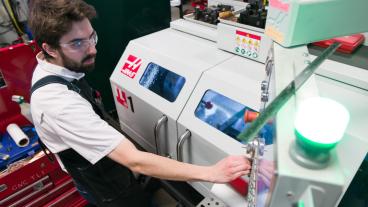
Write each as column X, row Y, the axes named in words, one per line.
column 320, row 124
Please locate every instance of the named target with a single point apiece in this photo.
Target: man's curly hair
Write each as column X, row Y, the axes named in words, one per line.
column 49, row 20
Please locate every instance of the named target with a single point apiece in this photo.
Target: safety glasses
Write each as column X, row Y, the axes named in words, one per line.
column 81, row 45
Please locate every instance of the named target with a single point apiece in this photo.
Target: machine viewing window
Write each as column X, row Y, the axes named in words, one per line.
column 228, row 116
column 163, row 82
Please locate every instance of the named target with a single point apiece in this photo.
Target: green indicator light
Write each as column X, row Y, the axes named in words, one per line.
column 320, row 123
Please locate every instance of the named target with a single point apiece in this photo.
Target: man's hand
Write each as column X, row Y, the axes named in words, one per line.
column 229, row 169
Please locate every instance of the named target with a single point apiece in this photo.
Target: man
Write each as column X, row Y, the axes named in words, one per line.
column 96, row 155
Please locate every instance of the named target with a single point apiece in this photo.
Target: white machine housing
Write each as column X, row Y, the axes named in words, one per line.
column 179, row 53
column 139, row 109
column 238, row 79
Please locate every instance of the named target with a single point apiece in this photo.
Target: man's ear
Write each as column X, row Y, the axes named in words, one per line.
column 50, row 50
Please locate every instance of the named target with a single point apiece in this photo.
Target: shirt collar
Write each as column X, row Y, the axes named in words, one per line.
column 56, row 69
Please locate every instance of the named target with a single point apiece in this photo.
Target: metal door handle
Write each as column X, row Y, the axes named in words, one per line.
column 179, row 146
column 158, row 125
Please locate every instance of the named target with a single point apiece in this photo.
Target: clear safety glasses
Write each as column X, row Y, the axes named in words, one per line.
column 81, row 45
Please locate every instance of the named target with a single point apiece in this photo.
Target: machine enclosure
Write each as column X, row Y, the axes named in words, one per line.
column 297, row 22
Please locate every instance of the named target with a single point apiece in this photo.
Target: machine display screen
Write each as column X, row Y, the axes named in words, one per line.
column 163, row 82
column 227, row 115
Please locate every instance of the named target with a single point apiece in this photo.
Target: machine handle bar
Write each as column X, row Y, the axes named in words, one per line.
column 179, row 146
column 158, row 125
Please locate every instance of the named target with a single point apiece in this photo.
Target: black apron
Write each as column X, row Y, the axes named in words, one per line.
column 108, row 182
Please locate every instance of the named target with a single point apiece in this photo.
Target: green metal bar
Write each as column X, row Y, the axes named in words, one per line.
column 250, row 133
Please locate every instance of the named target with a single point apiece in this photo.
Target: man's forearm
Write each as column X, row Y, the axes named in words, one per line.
column 165, row 168
column 158, row 166
column 150, row 164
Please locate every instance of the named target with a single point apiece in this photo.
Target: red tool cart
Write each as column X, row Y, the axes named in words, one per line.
column 34, row 180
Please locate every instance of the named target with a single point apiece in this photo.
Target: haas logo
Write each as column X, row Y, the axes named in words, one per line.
column 131, row 66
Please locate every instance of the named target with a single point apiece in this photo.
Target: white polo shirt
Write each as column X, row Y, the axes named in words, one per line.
column 63, row 119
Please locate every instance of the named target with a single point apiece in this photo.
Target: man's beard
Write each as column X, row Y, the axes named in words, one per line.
column 78, row 67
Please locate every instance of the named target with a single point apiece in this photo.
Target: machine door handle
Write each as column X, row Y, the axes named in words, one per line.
column 158, row 125
column 179, row 146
